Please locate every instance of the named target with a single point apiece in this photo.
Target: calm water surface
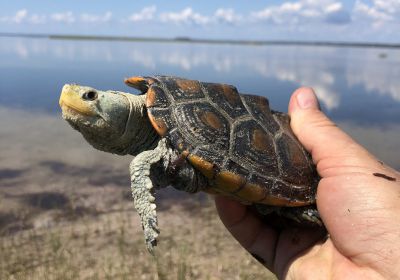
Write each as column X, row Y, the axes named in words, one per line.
column 359, row 88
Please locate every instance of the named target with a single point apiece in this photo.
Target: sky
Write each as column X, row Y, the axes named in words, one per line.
column 308, row 20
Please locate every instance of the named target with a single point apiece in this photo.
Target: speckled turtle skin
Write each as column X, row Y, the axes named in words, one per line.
column 244, row 149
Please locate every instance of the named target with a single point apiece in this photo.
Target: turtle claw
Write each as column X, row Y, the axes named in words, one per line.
column 151, row 232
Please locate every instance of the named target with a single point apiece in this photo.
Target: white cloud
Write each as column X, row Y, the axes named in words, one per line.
column 96, row 18
column 334, row 7
column 37, row 19
column 146, row 14
column 20, row 16
column 227, row 16
column 378, row 12
column 376, row 74
column 66, row 17
column 288, row 19
column 23, row 16
column 371, row 12
column 291, row 7
column 147, row 59
column 186, row 16
column 388, row 6
column 303, row 11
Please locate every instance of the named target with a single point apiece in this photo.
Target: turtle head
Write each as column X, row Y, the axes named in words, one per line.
column 104, row 118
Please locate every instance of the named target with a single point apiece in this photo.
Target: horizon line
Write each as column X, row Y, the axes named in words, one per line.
column 185, row 39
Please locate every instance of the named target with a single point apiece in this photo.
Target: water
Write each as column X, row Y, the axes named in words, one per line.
column 359, row 88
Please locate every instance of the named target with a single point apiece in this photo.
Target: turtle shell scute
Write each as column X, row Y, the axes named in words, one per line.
column 243, row 148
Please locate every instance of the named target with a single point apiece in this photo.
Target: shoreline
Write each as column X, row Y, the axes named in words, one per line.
column 201, row 40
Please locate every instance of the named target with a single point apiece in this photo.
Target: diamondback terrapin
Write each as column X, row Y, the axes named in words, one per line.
column 198, row 136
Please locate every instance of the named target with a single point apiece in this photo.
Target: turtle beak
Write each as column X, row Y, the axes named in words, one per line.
column 70, row 98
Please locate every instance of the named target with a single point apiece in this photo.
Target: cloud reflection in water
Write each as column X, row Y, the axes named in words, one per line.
column 331, row 71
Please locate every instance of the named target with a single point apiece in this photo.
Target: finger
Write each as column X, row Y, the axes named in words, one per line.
column 294, row 243
column 257, row 238
column 231, row 212
column 331, row 148
column 271, row 248
column 242, row 223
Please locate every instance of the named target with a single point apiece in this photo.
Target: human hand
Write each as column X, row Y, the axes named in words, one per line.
column 358, row 199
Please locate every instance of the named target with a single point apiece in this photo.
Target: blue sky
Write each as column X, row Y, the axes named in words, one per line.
column 354, row 20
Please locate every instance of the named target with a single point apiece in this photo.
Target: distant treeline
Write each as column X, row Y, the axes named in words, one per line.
column 206, row 41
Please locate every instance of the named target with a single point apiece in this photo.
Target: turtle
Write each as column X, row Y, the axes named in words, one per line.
column 198, row 136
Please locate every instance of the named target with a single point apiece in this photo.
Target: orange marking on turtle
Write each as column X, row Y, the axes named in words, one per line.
column 205, row 167
column 231, row 95
column 139, row 83
column 188, row 86
column 185, row 154
column 263, row 104
column 229, row 182
column 212, row 120
column 150, row 97
column 280, row 201
column 251, row 192
column 135, row 80
column 159, row 125
column 261, row 141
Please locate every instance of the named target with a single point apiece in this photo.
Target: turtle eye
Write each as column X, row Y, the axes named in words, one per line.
column 90, row 95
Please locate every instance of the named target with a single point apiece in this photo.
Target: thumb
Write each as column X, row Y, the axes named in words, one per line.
column 358, row 196
column 332, row 150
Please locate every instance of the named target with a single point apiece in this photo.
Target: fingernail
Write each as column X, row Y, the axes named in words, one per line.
column 307, row 99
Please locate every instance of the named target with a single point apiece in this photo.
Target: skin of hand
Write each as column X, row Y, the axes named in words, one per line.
column 358, row 199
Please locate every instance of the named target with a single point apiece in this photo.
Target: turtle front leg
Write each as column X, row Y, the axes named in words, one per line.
column 142, row 186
